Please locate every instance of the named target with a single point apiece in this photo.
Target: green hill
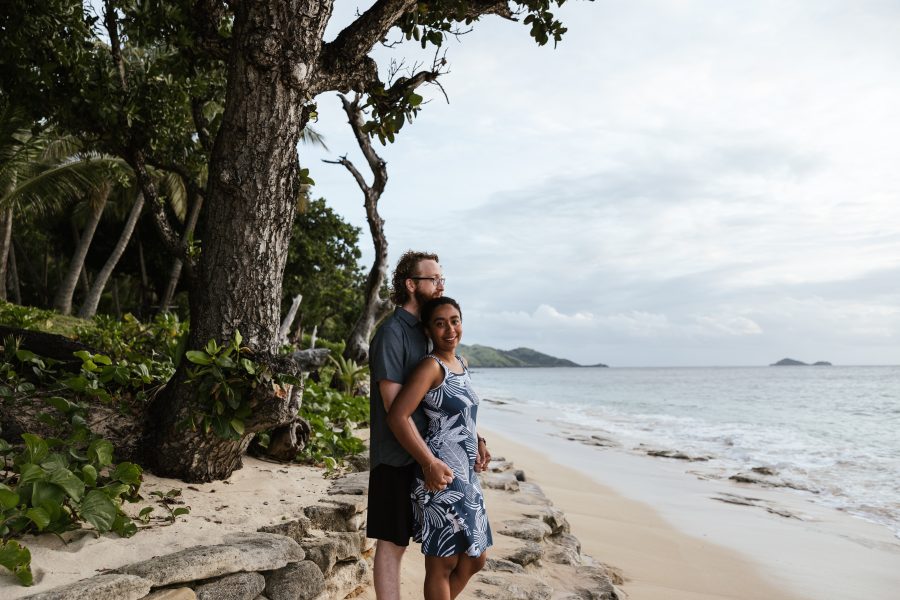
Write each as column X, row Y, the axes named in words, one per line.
column 485, row 356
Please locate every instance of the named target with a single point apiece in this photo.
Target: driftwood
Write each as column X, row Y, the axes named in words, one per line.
column 48, row 345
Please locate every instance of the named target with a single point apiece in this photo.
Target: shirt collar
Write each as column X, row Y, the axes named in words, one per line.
column 406, row 316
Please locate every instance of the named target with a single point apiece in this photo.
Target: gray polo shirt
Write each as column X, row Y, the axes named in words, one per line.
column 398, row 346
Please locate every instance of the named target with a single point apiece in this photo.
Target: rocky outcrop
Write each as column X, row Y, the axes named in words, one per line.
column 535, row 556
column 322, row 554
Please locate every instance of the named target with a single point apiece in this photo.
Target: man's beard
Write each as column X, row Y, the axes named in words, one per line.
column 422, row 297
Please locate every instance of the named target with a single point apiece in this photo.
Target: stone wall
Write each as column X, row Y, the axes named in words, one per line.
column 321, row 555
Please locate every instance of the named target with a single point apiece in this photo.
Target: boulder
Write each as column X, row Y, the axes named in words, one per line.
column 101, row 587
column 500, row 481
column 503, row 566
column 297, row 581
column 346, row 578
column 354, row 484
column 182, row 593
column 240, row 586
column 553, row 517
column 526, row 529
column 338, row 513
column 295, row 529
column 526, row 554
column 241, row 552
column 333, row 547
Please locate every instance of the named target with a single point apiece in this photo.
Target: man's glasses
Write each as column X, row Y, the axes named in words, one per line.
column 435, row 280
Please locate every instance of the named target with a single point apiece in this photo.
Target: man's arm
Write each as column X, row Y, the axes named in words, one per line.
column 389, row 391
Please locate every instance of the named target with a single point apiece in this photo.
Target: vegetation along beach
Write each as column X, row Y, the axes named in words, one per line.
column 652, row 247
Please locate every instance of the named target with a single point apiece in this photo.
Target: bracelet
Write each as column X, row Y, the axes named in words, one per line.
column 481, row 440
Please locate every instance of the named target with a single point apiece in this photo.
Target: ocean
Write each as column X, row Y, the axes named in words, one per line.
column 830, row 434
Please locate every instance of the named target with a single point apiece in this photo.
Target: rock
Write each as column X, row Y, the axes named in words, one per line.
column 500, row 481
column 561, row 555
column 101, row 587
column 359, row 463
column 173, row 594
column 676, row 454
column 240, row 586
column 566, row 540
column 295, row 529
column 503, row 566
column 553, row 517
column 526, row 554
column 344, row 513
column 600, row 573
column 521, row 590
column 346, row 578
column 241, row 552
column 498, row 465
column 332, row 548
column 354, row 484
column 297, row 581
column 519, row 475
column 526, row 529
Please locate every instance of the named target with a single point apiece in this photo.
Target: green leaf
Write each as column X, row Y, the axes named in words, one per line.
column 238, row 338
column 36, row 448
column 89, row 474
column 67, row 480
column 238, row 426
column 248, row 366
column 100, row 452
column 83, row 355
column 212, row 348
column 8, row 498
column 39, row 517
column 48, row 496
column 98, row 510
column 30, row 473
column 127, row 472
column 183, row 510
column 102, row 359
column 17, row 559
column 198, row 357
column 60, row 404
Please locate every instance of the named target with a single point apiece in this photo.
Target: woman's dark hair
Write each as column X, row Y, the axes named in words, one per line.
column 429, row 307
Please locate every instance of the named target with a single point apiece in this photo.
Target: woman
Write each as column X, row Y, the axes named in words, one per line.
column 448, row 504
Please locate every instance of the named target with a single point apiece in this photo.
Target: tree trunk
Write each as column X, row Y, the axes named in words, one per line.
column 374, row 306
column 89, row 307
column 245, row 227
column 175, row 274
column 5, row 245
column 14, row 275
column 62, row 303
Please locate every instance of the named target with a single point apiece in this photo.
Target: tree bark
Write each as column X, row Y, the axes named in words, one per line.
column 89, row 307
column 5, row 245
column 14, row 275
column 62, row 302
column 374, row 306
column 245, row 226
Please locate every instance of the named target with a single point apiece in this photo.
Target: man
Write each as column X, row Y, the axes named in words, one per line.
column 398, row 346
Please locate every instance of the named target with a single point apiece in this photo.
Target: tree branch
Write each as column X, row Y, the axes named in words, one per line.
column 376, row 163
column 360, row 180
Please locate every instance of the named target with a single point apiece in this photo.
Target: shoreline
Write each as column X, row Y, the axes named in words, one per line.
column 659, row 562
column 803, row 549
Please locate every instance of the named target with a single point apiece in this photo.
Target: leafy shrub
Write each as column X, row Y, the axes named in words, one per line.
column 332, row 415
column 224, row 378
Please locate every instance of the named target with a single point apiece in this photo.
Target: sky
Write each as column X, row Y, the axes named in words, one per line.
column 678, row 183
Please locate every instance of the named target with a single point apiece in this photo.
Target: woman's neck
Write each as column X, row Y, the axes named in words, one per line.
column 444, row 356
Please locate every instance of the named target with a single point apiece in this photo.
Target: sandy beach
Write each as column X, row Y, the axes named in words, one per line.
column 682, row 545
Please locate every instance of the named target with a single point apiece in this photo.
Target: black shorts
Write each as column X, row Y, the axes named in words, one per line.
column 390, row 514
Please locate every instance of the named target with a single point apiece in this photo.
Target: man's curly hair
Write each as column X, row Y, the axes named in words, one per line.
column 406, row 268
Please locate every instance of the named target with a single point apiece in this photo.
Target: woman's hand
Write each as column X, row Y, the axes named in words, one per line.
column 437, row 475
column 484, row 456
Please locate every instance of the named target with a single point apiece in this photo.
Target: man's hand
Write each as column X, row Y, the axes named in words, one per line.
column 484, row 456
column 437, row 475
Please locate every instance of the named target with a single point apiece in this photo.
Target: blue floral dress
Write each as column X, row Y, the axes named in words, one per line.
column 452, row 521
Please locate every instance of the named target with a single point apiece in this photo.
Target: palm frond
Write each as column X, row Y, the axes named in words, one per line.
column 56, row 184
column 312, row 137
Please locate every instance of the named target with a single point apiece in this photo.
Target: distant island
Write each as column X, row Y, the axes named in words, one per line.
column 790, row 362
column 485, row 357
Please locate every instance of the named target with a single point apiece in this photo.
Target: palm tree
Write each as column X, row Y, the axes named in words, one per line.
column 39, row 171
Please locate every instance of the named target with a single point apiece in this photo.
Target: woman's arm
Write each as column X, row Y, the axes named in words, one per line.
column 426, row 376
